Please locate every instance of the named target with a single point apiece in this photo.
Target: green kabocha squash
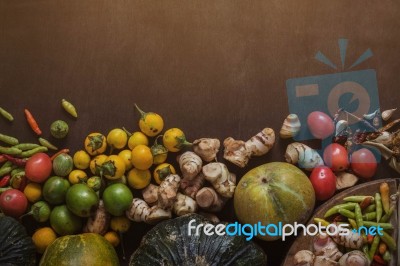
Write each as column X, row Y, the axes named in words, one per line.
column 16, row 247
column 169, row 243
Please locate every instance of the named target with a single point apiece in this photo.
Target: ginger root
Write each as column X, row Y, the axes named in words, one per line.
column 354, row 257
column 99, row 222
column 190, row 164
column 150, row 194
column 191, row 187
column 206, row 148
column 184, row 205
column 221, row 179
column 209, row 200
column 239, row 152
column 326, row 247
column 167, row 191
column 139, row 211
column 304, row 156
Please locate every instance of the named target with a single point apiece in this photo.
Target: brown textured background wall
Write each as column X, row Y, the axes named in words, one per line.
column 212, row 68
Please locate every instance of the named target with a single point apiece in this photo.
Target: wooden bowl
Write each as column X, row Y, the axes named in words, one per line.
column 369, row 188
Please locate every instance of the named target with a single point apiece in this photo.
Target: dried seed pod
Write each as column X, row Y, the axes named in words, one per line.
column 341, row 126
column 345, row 180
column 290, row 127
column 387, row 114
column 206, row 148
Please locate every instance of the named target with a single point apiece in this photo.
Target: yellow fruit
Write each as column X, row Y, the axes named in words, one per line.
column 117, row 138
column 81, row 159
column 114, row 167
column 77, row 176
column 126, row 155
column 142, row 157
column 160, row 153
column 113, row 238
column 33, row 192
column 97, row 162
column 137, row 138
column 162, row 171
column 42, row 238
column 174, row 140
column 150, row 123
column 120, row 224
column 95, row 143
column 139, row 179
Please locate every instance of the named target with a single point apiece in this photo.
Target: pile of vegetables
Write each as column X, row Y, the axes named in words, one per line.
column 370, row 240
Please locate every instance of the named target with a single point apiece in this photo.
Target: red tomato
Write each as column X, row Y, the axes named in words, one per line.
column 38, row 168
column 324, row 182
column 13, row 203
column 363, row 163
column 336, row 157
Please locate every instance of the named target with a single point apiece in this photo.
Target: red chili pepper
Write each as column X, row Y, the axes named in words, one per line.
column 16, row 161
column 5, row 180
column 379, row 259
column 24, row 182
column 370, row 238
column 58, row 153
column 32, row 122
column 2, row 158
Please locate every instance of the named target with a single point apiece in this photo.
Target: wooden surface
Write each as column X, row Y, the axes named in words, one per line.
column 212, row 68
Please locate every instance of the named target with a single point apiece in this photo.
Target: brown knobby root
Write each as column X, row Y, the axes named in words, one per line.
column 236, row 152
column 206, row 148
column 167, row 191
column 304, row 156
column 324, row 246
column 190, row 164
column 211, row 217
column 303, row 258
column 239, row 152
column 324, row 261
column 209, row 200
column 262, row 142
column 138, row 211
column 184, row 205
column 99, row 222
column 351, row 240
column 157, row 214
column 191, row 187
column 221, row 179
column 354, row 257
column 345, row 180
column 150, row 194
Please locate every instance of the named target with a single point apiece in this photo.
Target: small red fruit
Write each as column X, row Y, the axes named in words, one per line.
column 324, row 182
column 320, row 124
column 336, row 157
column 13, row 203
column 363, row 163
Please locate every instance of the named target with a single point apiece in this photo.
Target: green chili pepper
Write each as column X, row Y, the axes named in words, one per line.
column 365, row 249
column 6, row 164
column 347, row 213
column 388, row 240
column 370, row 208
column 378, row 204
column 17, row 171
column 47, row 144
column 374, row 246
column 31, row 152
column 370, row 216
column 6, row 115
column 358, row 215
column 26, row 146
column 353, row 223
column 384, row 226
column 323, row 222
column 335, row 209
column 10, row 150
column 8, row 139
column 385, row 218
column 5, row 170
column 356, row 198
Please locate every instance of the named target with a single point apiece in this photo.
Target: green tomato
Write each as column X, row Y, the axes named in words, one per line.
column 59, row 129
